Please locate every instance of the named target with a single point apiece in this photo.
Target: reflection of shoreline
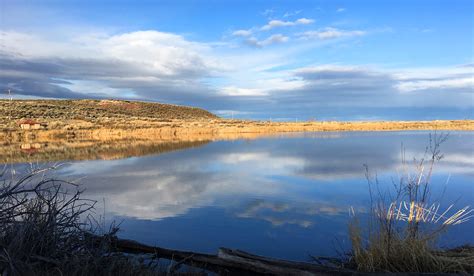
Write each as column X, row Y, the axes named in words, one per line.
column 48, row 152
column 114, row 143
column 90, row 146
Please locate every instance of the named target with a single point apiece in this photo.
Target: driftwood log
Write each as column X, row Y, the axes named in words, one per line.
column 235, row 262
column 227, row 261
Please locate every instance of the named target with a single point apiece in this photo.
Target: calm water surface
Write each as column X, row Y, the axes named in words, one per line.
column 284, row 196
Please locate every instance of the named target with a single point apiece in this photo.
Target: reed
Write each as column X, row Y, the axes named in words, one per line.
column 405, row 224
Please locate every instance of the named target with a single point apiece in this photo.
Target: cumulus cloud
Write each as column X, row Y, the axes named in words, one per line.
column 280, row 23
column 237, row 91
column 331, row 33
column 341, row 86
column 152, row 65
column 460, row 78
column 357, row 86
column 458, row 83
column 355, row 90
column 243, row 33
column 251, row 34
column 304, row 21
column 276, row 23
column 274, row 39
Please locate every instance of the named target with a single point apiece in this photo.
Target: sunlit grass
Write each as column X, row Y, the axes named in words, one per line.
column 405, row 224
column 422, row 212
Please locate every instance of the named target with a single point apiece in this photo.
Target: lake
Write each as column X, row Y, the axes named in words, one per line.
column 285, row 196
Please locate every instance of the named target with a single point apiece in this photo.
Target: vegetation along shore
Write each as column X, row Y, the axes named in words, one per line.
column 105, row 120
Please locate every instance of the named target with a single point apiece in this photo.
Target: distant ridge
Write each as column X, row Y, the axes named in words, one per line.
column 43, row 120
column 90, row 110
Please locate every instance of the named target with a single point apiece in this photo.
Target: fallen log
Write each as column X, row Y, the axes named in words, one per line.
column 235, row 262
column 228, row 261
column 267, row 265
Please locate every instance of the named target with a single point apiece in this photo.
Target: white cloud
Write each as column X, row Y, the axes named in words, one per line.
column 408, row 86
column 280, row 23
column 236, row 91
column 157, row 52
column 276, row 23
column 242, row 33
column 331, row 33
column 251, row 38
column 304, row 21
column 274, row 39
column 460, row 77
column 341, row 10
column 167, row 67
column 95, row 87
column 261, row 161
column 145, row 64
column 342, row 85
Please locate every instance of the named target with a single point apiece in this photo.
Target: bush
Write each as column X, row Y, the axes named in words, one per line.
column 47, row 228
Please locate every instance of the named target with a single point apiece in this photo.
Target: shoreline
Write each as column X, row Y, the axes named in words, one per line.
column 112, row 120
column 215, row 129
column 96, row 143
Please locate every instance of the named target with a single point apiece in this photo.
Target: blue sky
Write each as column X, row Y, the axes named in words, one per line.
column 285, row 60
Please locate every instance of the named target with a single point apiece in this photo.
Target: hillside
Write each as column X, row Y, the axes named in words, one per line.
column 96, row 110
column 46, row 120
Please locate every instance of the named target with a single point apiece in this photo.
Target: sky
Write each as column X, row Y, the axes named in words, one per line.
column 265, row 60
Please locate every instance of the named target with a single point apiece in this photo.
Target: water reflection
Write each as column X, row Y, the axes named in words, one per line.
column 281, row 196
column 11, row 153
column 278, row 213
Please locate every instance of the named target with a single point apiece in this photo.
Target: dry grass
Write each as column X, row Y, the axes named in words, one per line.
column 59, row 113
column 128, row 116
column 404, row 225
column 393, row 252
column 47, row 228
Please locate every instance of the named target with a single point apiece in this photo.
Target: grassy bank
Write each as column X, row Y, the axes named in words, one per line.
column 107, row 119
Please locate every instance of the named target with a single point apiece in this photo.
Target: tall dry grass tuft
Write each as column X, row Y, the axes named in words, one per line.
column 405, row 223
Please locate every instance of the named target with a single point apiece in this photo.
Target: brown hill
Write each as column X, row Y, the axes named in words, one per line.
column 92, row 110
